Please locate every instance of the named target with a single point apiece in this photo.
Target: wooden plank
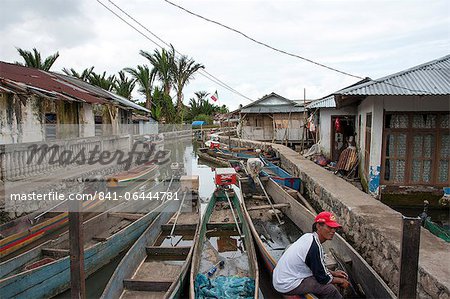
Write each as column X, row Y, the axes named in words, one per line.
column 181, row 251
column 409, row 257
column 128, row 216
column 263, row 207
column 145, row 285
column 77, row 275
column 55, row 252
column 222, row 226
column 179, row 227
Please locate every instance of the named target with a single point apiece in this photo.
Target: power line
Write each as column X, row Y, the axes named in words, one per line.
column 204, row 73
column 283, row 51
column 262, row 43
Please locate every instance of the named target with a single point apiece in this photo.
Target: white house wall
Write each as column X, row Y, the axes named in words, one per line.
column 325, row 125
column 19, row 123
column 377, row 105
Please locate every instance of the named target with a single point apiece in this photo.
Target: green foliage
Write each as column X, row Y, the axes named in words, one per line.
column 145, row 78
column 165, row 69
column 202, row 106
column 124, row 86
column 34, row 60
column 102, row 81
column 83, row 76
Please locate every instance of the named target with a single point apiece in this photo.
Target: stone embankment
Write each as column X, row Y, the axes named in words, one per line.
column 373, row 228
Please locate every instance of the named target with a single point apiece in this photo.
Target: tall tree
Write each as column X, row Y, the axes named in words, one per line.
column 146, row 79
column 163, row 65
column 33, row 59
column 83, row 75
column 124, row 86
column 183, row 71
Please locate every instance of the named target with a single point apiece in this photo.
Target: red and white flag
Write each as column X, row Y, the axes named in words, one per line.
column 215, row 97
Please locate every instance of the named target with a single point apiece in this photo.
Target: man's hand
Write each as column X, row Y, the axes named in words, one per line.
column 340, row 274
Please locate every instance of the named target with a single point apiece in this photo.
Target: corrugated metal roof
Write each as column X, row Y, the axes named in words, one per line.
column 25, row 79
column 327, row 102
column 431, row 78
column 45, row 81
column 272, row 109
column 272, row 103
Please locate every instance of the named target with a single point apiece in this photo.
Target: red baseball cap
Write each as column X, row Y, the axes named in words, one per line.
column 327, row 218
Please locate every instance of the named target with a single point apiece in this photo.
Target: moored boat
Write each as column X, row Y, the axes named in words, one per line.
column 280, row 175
column 44, row 271
column 272, row 238
column 157, row 264
column 20, row 233
column 224, row 263
column 140, row 173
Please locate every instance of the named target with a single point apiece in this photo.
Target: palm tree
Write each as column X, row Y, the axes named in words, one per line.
column 33, row 59
column 124, row 86
column 83, row 76
column 145, row 78
column 184, row 69
column 163, row 65
column 102, row 81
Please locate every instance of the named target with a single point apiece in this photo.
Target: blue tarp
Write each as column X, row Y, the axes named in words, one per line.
column 224, row 287
column 197, row 123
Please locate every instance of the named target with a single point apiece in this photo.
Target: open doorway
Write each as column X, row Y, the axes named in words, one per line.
column 342, row 132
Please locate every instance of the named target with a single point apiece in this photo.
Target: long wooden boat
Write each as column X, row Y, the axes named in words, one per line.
column 44, row 271
column 219, row 242
column 138, row 174
column 156, row 266
column 203, row 154
column 280, row 175
column 272, row 238
column 28, row 229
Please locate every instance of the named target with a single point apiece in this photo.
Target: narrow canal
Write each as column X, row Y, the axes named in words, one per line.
column 185, row 152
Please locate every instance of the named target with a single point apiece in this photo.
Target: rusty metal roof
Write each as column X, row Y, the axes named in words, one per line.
column 46, row 83
column 431, row 78
column 21, row 79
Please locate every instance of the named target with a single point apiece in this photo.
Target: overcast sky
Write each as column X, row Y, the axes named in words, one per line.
column 364, row 38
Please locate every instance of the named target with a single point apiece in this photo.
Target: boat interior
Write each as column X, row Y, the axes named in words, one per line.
column 165, row 258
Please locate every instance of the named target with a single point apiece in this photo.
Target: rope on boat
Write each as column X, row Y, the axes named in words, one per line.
column 270, row 202
column 232, row 212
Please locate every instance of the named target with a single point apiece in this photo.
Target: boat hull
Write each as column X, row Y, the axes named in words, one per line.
column 53, row 278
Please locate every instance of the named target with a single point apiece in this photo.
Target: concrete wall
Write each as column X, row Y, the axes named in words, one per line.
column 19, row 122
column 371, row 227
column 325, row 126
column 87, row 121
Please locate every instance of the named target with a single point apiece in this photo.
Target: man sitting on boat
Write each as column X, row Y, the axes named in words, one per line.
column 302, row 269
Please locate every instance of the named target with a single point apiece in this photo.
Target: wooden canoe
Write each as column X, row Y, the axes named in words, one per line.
column 272, row 239
column 203, row 154
column 141, row 173
column 26, row 230
column 44, row 271
column 218, row 240
column 280, row 176
column 156, row 266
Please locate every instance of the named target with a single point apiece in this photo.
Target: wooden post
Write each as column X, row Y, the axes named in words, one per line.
column 409, row 257
column 76, row 245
